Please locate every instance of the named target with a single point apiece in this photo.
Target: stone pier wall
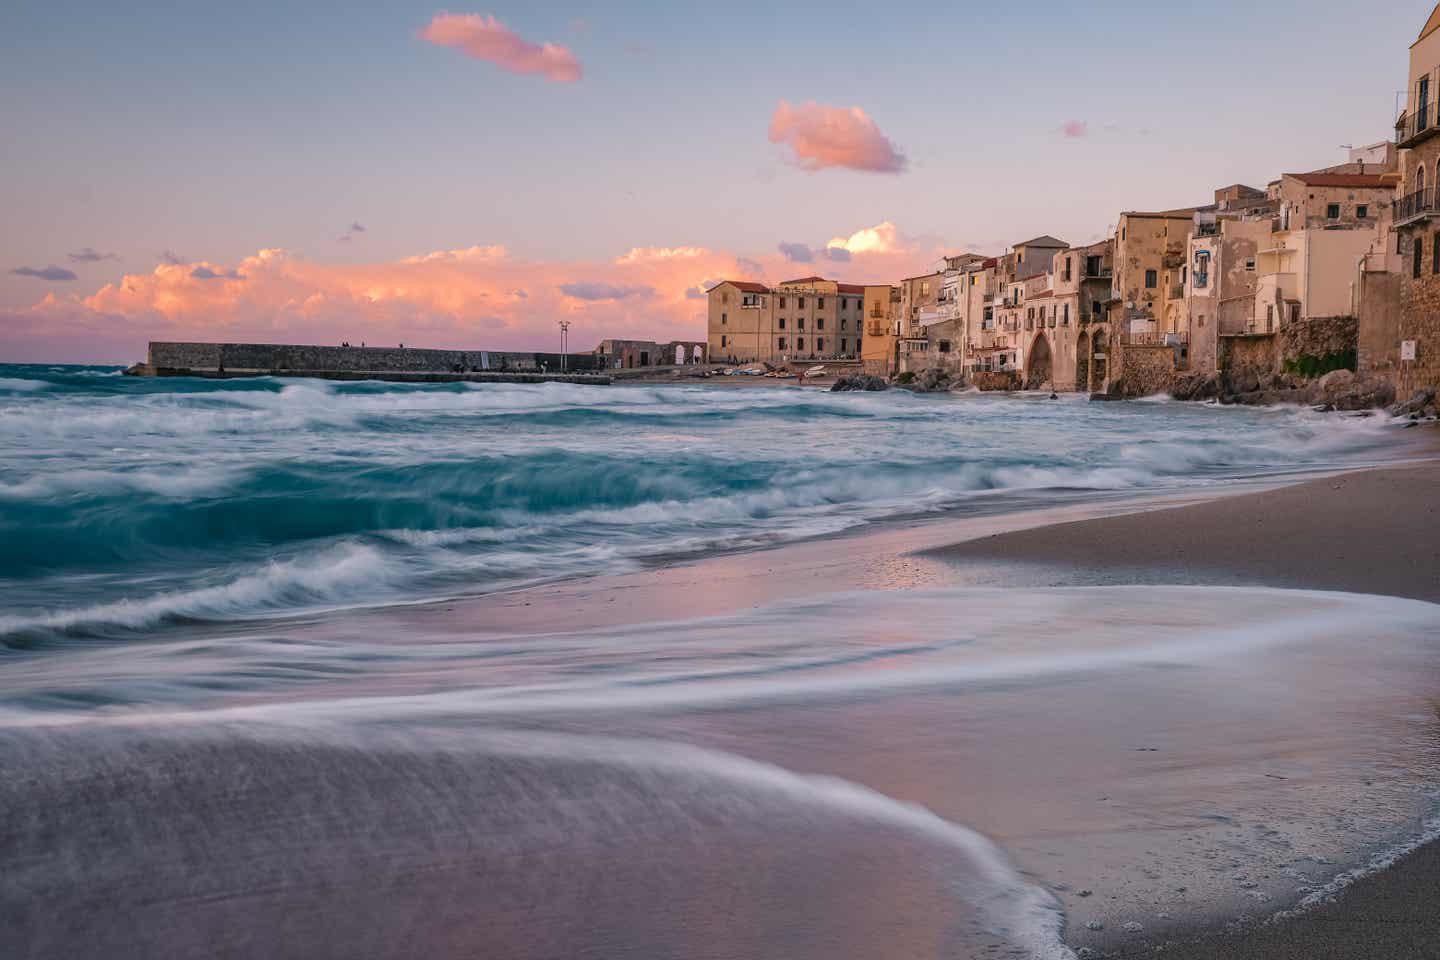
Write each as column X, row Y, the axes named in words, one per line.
column 168, row 356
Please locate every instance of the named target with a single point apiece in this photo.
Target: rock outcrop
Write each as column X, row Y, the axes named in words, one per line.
column 859, row 381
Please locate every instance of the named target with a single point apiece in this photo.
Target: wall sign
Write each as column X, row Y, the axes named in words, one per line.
column 1407, row 349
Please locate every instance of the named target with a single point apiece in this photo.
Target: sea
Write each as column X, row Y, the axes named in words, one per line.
column 297, row 668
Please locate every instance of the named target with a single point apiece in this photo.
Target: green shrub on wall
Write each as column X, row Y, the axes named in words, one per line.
column 905, row 376
column 1309, row 365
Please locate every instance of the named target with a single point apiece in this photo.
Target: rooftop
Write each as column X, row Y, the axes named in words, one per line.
column 1178, row 213
column 1360, row 181
column 1044, row 241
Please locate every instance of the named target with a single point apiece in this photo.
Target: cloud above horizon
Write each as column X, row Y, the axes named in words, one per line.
column 797, row 252
column 598, row 290
column 1074, row 128
column 52, row 272
column 821, row 137
column 90, row 255
column 486, row 38
column 478, row 296
column 204, row 272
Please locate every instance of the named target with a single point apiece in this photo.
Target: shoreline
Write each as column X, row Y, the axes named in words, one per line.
column 1373, row 531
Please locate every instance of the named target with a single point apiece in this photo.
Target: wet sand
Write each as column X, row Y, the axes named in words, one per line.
column 1370, row 532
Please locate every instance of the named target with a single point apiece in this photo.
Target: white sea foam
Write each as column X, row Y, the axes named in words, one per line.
column 345, row 573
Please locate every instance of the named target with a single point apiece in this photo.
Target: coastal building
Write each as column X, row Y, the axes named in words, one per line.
column 919, row 300
column 879, row 354
column 630, row 354
column 806, row 319
column 1416, row 218
column 1080, row 282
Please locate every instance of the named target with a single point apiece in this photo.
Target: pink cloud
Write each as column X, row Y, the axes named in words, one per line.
column 486, row 38
column 478, row 297
column 1075, row 128
column 822, row 137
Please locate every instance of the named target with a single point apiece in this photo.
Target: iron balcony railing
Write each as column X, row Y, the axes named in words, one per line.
column 1421, row 122
column 1418, row 204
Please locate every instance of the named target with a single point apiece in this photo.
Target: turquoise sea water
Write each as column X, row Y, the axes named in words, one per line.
column 208, row 751
column 131, row 503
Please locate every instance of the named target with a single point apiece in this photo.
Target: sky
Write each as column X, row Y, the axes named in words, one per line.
column 468, row 176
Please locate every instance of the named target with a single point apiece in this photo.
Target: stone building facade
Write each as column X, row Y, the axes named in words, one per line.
column 807, row 319
column 1417, row 219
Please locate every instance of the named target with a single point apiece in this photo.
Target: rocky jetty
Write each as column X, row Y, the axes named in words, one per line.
column 1337, row 390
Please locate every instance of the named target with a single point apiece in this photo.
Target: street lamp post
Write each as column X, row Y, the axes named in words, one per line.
column 564, row 340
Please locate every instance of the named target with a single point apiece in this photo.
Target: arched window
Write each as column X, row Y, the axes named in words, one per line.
column 1420, row 178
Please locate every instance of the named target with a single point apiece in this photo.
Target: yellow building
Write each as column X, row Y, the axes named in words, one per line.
column 807, row 319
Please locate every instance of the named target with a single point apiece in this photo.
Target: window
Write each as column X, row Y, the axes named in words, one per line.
column 844, row 323
column 1067, row 268
column 781, row 343
column 782, row 323
column 799, row 343
column 722, row 341
column 1294, row 312
column 1152, row 280
column 800, row 302
column 1332, row 211
column 1092, row 265
column 1097, row 308
column 944, row 346
column 844, row 345
column 1362, row 212
column 1065, row 317
column 819, row 323
column 1419, row 258
column 724, row 319
column 1250, row 264
column 924, row 288
column 782, row 303
column 750, row 300
column 1435, row 254
column 819, row 303
column 799, row 323
column 725, row 297
column 820, row 344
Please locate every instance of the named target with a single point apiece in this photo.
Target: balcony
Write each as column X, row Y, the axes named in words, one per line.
column 1414, row 207
column 1100, row 273
column 1417, row 126
column 1138, row 338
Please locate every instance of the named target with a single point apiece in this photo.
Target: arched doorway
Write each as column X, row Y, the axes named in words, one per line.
column 1082, row 362
column 1099, row 360
column 1039, row 363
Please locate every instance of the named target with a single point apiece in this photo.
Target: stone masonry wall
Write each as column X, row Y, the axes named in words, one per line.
column 247, row 357
column 1420, row 321
column 1318, row 337
column 1378, row 333
column 1258, row 355
column 1145, row 370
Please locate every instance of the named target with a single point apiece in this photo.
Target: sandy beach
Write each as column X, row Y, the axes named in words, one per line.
column 1374, row 532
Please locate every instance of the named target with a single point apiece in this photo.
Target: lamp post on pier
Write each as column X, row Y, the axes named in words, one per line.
column 564, row 341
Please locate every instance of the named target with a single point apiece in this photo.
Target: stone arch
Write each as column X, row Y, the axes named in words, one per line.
column 1039, row 363
column 1420, row 178
column 1099, row 360
column 1082, row 362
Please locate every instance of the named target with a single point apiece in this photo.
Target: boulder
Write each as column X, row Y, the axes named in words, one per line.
column 859, row 381
column 1417, row 403
column 1244, row 381
column 1343, row 390
column 931, row 380
column 1196, row 386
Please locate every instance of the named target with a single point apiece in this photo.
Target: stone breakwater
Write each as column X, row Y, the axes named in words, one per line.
column 173, row 358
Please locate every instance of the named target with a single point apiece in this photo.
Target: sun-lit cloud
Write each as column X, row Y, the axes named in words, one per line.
column 1074, row 128
column 486, row 38
column 90, row 255
column 821, row 137
column 477, row 297
column 650, row 254
column 52, row 273
column 881, row 238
